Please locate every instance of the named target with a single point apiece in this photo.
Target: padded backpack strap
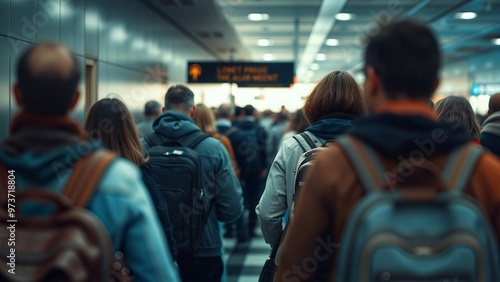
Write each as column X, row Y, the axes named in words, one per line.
column 367, row 164
column 154, row 139
column 460, row 165
column 86, row 175
column 193, row 139
column 305, row 142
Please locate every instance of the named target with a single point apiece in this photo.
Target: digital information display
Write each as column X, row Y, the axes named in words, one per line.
column 242, row 73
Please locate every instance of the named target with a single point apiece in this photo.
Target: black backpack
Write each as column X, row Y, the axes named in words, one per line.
column 177, row 171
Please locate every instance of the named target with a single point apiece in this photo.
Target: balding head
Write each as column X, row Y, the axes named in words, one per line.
column 47, row 79
column 225, row 111
column 494, row 104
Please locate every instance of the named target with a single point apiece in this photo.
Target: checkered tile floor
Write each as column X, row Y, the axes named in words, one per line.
column 244, row 261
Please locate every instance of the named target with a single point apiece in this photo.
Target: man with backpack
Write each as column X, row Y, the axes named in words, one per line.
column 393, row 193
column 105, row 215
column 194, row 173
column 249, row 144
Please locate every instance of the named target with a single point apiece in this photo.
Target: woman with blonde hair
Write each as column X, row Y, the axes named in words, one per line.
column 205, row 120
column 331, row 109
column 110, row 121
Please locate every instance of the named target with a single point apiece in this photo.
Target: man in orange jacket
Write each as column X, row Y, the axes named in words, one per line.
column 401, row 66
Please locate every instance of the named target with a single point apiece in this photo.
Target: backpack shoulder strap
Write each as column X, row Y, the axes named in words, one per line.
column 193, row 139
column 460, row 165
column 367, row 164
column 86, row 175
column 305, row 141
column 153, row 139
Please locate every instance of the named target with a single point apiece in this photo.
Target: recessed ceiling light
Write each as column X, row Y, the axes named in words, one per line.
column 269, row 57
column 332, row 42
column 320, row 57
column 258, row 17
column 345, row 16
column 466, row 15
column 265, row 42
column 314, row 67
column 495, row 41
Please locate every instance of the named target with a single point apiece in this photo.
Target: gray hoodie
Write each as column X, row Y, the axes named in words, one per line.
column 492, row 124
column 219, row 181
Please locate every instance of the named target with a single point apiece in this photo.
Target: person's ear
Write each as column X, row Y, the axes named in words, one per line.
column 192, row 112
column 163, row 109
column 436, row 85
column 76, row 97
column 488, row 113
column 17, row 96
column 372, row 83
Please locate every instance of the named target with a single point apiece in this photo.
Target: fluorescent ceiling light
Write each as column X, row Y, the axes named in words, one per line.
column 269, row 57
column 332, row 42
column 265, row 42
column 314, row 67
column 154, row 50
column 466, row 15
column 320, row 57
column 258, row 17
column 118, row 34
column 138, row 44
column 345, row 16
column 495, row 41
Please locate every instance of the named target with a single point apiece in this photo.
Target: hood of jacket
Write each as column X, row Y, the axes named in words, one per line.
column 331, row 127
column 174, row 125
column 399, row 135
column 492, row 124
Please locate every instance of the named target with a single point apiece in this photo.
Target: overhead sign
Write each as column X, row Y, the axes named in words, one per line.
column 242, row 73
column 485, row 89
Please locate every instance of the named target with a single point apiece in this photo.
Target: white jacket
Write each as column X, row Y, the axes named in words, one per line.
column 278, row 194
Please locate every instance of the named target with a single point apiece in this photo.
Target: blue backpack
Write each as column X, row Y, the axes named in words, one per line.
column 418, row 231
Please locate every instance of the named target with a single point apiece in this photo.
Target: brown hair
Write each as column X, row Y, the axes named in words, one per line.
column 110, row 121
column 458, row 111
column 205, row 119
column 337, row 92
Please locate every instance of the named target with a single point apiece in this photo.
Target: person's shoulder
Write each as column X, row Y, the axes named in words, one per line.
column 121, row 178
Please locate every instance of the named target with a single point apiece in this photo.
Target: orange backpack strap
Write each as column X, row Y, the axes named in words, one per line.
column 86, row 175
column 3, row 183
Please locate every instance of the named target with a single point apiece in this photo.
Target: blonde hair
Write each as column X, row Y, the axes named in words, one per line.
column 205, row 119
column 337, row 92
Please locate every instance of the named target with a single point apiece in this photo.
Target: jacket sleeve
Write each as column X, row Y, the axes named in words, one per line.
column 228, row 195
column 310, row 221
column 126, row 209
column 161, row 207
column 273, row 203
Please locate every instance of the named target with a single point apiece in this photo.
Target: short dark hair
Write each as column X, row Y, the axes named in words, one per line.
column 405, row 55
column 237, row 111
column 46, row 92
column 151, row 108
column 249, row 110
column 179, row 97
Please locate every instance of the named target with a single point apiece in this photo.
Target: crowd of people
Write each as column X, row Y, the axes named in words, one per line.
column 189, row 175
